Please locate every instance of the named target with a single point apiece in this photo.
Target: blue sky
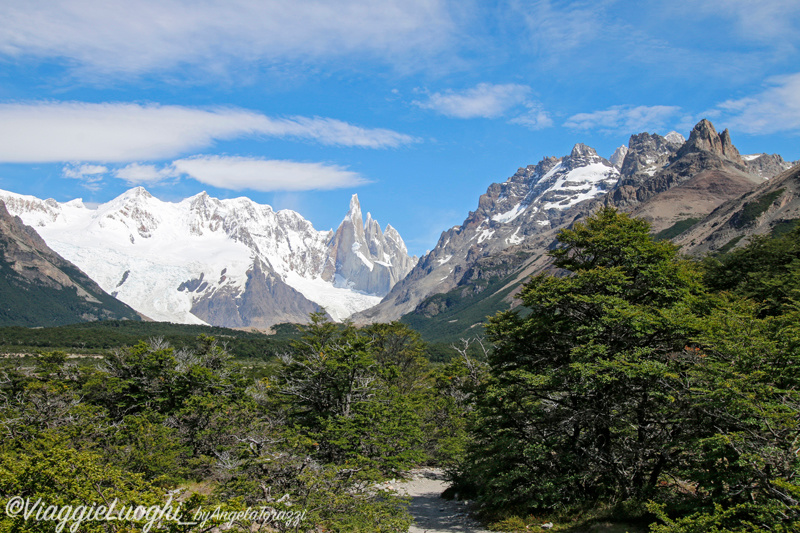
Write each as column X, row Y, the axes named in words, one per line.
column 416, row 105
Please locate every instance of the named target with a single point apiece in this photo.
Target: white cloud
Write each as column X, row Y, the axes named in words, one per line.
column 774, row 110
column 485, row 100
column 90, row 176
column 137, row 174
column 122, row 132
column 239, row 173
column 535, row 118
column 121, row 36
column 625, row 119
column 90, row 173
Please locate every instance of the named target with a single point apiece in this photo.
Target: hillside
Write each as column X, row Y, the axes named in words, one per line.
column 40, row 288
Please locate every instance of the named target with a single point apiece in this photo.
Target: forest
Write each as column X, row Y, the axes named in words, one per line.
column 632, row 385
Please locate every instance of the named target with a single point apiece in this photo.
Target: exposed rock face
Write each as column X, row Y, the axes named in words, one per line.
column 40, row 288
column 618, row 157
column 648, row 153
column 225, row 262
column 774, row 203
column 673, row 164
column 704, row 172
column 704, row 138
column 265, row 301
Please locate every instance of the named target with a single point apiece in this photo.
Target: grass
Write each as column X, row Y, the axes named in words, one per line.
column 728, row 246
column 676, row 229
column 752, row 210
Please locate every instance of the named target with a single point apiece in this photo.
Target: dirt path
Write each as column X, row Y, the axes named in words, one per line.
column 432, row 513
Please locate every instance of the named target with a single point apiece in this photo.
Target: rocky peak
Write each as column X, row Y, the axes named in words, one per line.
column 704, row 138
column 618, row 156
column 581, row 156
column 365, row 258
column 767, row 165
column 674, row 137
column 728, row 149
column 136, row 193
column 354, row 214
column 647, row 153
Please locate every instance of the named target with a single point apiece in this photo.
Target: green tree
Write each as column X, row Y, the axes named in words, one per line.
column 767, row 271
column 580, row 404
column 347, row 388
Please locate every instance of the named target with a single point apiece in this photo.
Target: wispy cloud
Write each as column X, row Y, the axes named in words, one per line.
column 238, row 173
column 773, row 22
column 122, row 132
column 119, row 36
column 560, row 27
column 536, row 118
column 485, row 100
column 138, row 174
column 91, row 176
column 776, row 109
column 625, row 119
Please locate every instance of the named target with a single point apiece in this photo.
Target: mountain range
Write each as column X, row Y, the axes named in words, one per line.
column 231, row 263
column 240, row 264
column 477, row 267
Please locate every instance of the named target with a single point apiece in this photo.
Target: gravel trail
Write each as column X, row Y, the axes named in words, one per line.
column 431, row 513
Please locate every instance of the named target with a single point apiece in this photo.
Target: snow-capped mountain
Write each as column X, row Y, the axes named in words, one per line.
column 223, row 262
column 529, row 202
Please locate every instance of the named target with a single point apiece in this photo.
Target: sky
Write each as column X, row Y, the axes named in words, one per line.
column 417, row 106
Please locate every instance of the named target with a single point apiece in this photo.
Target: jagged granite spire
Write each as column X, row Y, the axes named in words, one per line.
column 365, row 258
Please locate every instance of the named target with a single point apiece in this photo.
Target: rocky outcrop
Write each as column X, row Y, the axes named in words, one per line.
column 648, row 153
column 618, row 157
column 705, row 139
column 673, row 164
column 40, row 288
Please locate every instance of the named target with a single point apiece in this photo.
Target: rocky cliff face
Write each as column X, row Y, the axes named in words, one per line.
column 224, row 262
column 40, row 288
column 701, row 174
column 647, row 154
column 767, row 165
